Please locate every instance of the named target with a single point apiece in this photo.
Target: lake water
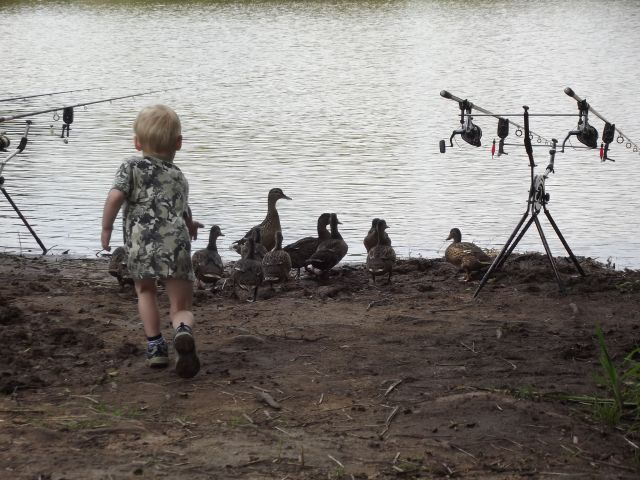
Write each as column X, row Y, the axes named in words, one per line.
column 338, row 104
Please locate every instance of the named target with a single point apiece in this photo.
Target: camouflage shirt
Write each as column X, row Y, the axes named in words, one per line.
column 155, row 233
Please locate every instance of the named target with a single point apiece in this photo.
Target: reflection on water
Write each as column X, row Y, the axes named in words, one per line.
column 338, row 104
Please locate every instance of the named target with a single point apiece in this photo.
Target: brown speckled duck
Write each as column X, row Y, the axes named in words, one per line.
column 270, row 225
column 465, row 255
column 247, row 272
column 118, row 267
column 207, row 264
column 276, row 264
column 331, row 251
column 371, row 240
column 382, row 257
column 301, row 250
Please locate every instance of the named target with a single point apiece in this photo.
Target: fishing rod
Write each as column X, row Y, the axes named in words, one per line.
column 48, row 94
column 69, row 108
column 588, row 135
column 67, row 118
column 472, row 133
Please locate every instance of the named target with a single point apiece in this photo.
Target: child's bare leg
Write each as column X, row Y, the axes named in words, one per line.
column 181, row 299
column 180, row 296
column 148, row 306
column 157, row 351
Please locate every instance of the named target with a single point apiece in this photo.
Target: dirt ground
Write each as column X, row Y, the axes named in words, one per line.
column 328, row 379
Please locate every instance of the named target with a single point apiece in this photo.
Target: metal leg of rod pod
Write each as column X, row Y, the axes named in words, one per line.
column 24, row 220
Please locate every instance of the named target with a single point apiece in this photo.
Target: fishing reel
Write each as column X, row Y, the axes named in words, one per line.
column 470, row 132
column 539, row 196
column 585, row 133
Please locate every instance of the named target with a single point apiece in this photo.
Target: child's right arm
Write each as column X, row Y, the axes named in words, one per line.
column 115, row 199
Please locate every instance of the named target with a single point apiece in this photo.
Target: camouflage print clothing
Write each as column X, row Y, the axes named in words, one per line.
column 155, row 233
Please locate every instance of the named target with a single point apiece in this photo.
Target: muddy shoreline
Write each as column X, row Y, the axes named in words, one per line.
column 330, row 379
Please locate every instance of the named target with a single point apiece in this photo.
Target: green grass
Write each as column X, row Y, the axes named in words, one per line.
column 622, row 383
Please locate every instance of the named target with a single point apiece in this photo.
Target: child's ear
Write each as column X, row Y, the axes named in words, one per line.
column 137, row 143
column 179, row 143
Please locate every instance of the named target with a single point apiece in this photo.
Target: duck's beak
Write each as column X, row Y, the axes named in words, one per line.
column 285, row 197
column 450, row 237
column 221, row 234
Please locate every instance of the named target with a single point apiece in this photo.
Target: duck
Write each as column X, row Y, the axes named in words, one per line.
column 270, row 225
column 207, row 264
column 331, row 251
column 259, row 250
column 465, row 255
column 382, row 257
column 118, row 267
column 301, row 250
column 276, row 264
column 247, row 271
column 371, row 240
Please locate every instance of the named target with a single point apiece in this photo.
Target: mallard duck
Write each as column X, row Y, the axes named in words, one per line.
column 247, row 271
column 331, row 251
column 270, row 225
column 118, row 267
column 465, row 255
column 371, row 240
column 301, row 250
column 259, row 250
column 207, row 264
column 382, row 257
column 276, row 264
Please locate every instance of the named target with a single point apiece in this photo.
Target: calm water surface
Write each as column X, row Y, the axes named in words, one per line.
column 338, row 104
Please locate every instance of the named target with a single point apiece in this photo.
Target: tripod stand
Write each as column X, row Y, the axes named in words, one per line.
column 21, row 147
column 537, row 201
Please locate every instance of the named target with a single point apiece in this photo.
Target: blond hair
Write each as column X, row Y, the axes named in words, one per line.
column 158, row 129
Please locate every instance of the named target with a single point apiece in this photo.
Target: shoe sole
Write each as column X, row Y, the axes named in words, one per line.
column 187, row 361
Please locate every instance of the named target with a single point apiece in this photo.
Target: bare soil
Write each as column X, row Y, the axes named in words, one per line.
column 329, row 379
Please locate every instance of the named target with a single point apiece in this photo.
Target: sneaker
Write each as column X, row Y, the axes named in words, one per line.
column 187, row 361
column 157, row 355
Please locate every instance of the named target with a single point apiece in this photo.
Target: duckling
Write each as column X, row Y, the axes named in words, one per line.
column 118, row 267
column 465, row 255
column 382, row 257
column 371, row 240
column 270, row 224
column 301, row 250
column 331, row 251
column 247, row 271
column 276, row 264
column 207, row 264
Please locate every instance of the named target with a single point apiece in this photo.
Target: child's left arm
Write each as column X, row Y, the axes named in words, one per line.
column 192, row 225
